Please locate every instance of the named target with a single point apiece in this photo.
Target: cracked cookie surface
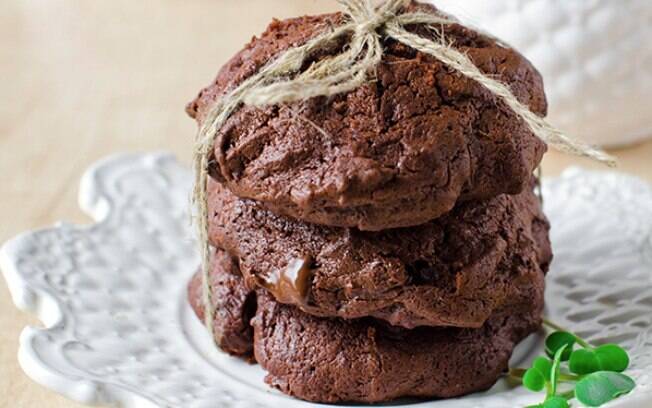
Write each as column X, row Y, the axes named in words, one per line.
column 398, row 151
column 452, row 271
column 364, row 360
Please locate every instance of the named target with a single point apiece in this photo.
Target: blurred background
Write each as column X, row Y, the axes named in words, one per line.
column 80, row 80
column 596, row 57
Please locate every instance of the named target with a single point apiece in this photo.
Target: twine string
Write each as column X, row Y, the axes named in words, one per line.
column 281, row 81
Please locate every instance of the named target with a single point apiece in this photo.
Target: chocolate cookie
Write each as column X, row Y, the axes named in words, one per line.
column 235, row 305
column 365, row 360
column 452, row 271
column 333, row 360
column 396, row 152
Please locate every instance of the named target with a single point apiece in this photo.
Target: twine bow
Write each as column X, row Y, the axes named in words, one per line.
column 281, row 81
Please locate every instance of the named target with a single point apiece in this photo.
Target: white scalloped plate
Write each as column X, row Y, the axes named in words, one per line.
column 118, row 330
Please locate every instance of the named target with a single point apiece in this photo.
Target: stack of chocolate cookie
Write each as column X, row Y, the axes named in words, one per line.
column 382, row 243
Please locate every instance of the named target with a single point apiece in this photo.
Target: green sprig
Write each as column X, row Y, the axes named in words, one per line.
column 554, row 372
column 595, row 371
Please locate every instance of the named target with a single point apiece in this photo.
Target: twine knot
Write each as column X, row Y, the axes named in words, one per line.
column 369, row 19
column 370, row 25
column 281, row 81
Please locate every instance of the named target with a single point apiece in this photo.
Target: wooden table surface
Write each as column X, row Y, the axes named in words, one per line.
column 84, row 79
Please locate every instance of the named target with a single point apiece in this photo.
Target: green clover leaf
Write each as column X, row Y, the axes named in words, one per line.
column 601, row 387
column 612, row 357
column 556, row 402
column 556, row 340
column 533, row 380
column 543, row 365
column 584, row 361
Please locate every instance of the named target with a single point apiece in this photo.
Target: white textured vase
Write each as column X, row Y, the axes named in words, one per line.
column 595, row 57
